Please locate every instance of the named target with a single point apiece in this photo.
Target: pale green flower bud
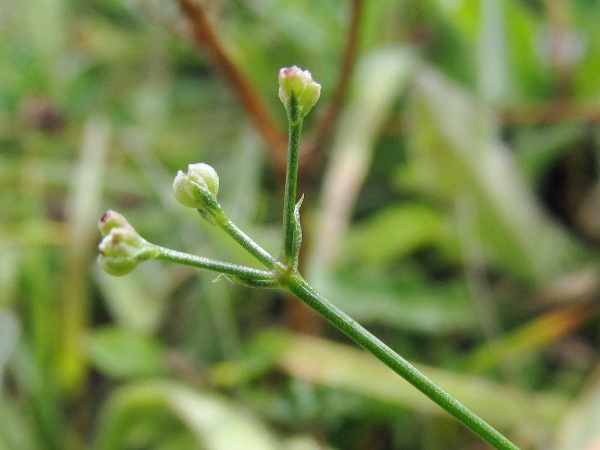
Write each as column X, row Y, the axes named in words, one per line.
column 197, row 188
column 298, row 90
column 122, row 248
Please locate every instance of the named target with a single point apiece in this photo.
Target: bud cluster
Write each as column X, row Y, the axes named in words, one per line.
column 122, row 248
column 298, row 91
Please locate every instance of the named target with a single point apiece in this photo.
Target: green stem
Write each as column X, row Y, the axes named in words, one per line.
column 291, row 184
column 244, row 272
column 242, row 238
column 297, row 286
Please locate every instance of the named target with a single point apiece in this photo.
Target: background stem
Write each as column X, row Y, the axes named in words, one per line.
column 365, row 339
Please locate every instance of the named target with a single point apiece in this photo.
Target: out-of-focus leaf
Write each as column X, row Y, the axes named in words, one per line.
column 378, row 81
column 43, row 312
column 354, row 370
column 137, row 300
column 344, row 367
column 9, row 274
column 584, row 43
column 581, row 425
column 508, row 57
column 536, row 148
column 394, row 233
column 463, row 15
column 43, row 417
column 10, row 330
column 121, row 353
column 215, row 423
column 411, row 303
column 45, row 26
column 493, row 76
column 274, row 26
column 523, row 30
column 303, row 443
column 84, row 199
column 83, row 207
column 261, row 355
column 459, row 157
column 530, row 337
column 15, row 428
column 33, row 232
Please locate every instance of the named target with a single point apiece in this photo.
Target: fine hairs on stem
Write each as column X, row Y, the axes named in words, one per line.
column 122, row 248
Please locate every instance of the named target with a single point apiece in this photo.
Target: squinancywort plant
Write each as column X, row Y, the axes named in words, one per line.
column 122, row 249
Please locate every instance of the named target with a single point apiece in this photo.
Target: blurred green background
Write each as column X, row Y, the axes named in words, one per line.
column 455, row 212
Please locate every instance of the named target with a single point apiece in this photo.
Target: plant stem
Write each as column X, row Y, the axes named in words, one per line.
column 291, row 184
column 242, row 238
column 248, row 273
column 296, row 285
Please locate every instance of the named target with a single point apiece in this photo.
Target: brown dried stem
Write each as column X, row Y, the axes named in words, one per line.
column 205, row 37
column 326, row 121
column 551, row 112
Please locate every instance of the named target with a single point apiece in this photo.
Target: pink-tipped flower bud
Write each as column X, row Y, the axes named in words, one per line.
column 297, row 89
column 111, row 219
column 122, row 248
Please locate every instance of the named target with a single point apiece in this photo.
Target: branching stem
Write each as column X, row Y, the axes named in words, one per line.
column 216, row 266
column 242, row 238
column 299, row 93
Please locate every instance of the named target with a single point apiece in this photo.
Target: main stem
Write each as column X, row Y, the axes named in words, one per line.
column 291, row 184
column 296, row 285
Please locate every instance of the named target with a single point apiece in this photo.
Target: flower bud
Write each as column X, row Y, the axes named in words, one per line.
column 197, row 188
column 111, row 219
column 298, row 90
column 122, row 248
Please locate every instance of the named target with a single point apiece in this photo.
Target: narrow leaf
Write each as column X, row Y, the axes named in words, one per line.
column 297, row 233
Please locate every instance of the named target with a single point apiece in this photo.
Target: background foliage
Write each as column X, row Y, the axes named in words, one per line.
column 454, row 211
